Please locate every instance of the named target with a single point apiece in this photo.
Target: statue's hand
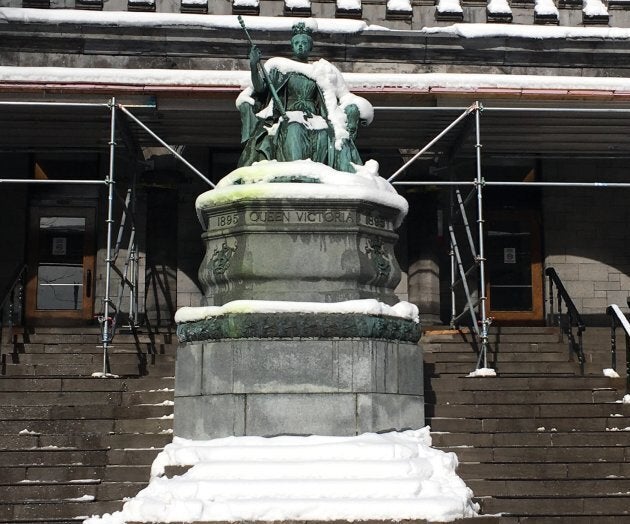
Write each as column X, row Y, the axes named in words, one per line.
column 254, row 56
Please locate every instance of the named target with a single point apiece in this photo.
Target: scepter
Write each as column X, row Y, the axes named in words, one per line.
column 262, row 70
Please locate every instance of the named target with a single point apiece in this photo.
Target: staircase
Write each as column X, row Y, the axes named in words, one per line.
column 72, row 445
column 538, row 442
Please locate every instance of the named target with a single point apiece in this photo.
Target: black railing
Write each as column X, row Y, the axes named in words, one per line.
column 618, row 319
column 572, row 316
column 11, row 302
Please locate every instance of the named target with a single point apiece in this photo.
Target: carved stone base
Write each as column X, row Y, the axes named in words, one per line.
column 299, row 386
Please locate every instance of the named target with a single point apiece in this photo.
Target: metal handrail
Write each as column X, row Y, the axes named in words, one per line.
column 8, row 298
column 617, row 318
column 574, row 317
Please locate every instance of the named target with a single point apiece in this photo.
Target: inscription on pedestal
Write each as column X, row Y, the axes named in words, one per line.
column 297, row 216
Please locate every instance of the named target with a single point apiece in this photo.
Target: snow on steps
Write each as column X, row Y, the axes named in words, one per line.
column 387, row 477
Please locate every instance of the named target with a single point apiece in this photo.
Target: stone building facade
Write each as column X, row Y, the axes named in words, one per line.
column 551, row 78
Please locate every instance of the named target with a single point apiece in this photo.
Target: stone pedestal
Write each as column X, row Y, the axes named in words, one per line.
column 325, row 250
column 290, row 234
column 299, row 386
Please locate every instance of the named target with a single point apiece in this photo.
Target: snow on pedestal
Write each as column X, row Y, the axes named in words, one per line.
column 390, row 476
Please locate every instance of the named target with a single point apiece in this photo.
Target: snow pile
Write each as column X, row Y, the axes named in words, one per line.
column 390, row 476
column 594, row 8
column 246, row 3
column 256, row 181
column 399, row 5
column 499, row 7
column 367, row 306
column 546, row 8
column 449, row 6
column 349, row 5
column 626, row 399
column 610, row 373
column 483, row 372
column 297, row 4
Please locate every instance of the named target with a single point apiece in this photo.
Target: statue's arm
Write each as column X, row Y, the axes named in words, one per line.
column 254, row 65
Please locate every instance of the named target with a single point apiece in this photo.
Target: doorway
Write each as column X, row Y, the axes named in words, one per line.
column 60, row 284
column 514, row 277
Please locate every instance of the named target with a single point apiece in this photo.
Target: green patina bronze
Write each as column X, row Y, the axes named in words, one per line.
column 296, row 325
column 298, row 126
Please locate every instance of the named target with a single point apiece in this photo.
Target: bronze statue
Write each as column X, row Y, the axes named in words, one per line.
column 296, row 110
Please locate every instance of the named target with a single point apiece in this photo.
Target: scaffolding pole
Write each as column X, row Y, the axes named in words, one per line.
column 432, row 142
column 175, row 153
column 482, row 361
column 109, row 222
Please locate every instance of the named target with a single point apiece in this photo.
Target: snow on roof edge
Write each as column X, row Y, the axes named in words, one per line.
column 323, row 25
column 429, row 82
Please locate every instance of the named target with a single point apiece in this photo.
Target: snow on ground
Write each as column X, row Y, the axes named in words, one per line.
column 389, row 476
column 483, row 372
column 364, row 307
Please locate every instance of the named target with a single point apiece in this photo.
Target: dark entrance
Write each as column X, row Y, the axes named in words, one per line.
column 60, row 282
column 514, row 268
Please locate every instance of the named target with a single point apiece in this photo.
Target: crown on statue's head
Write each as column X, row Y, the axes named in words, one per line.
column 302, row 29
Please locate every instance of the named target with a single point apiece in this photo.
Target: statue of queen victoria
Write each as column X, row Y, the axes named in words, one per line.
column 296, row 110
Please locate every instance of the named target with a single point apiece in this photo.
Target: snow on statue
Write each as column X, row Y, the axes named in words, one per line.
column 295, row 110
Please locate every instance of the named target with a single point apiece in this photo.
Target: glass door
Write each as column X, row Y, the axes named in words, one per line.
column 514, row 269
column 61, row 264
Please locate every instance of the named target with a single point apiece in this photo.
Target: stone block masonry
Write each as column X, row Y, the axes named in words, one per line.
column 299, row 386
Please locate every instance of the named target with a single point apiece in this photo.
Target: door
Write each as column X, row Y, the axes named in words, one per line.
column 60, row 265
column 514, row 268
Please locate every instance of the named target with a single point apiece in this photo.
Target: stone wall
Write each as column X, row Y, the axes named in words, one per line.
column 586, row 234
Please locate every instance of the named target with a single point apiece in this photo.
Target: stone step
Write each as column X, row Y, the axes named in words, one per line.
column 93, row 338
column 542, row 488
column 538, row 398
column 119, row 490
column 147, row 425
column 83, row 441
column 85, row 384
column 47, row 473
column 612, row 505
column 52, row 456
column 65, row 398
column 85, row 412
column 54, row 511
column 59, row 426
column 576, row 470
column 37, row 492
column 511, row 368
column 116, row 360
column 80, row 349
column 510, row 425
column 501, row 383
column 542, row 454
column 542, row 411
column 58, row 370
column 127, row 473
column 133, row 456
column 498, row 347
column 123, row 441
column 493, row 338
column 442, row 357
column 535, row 439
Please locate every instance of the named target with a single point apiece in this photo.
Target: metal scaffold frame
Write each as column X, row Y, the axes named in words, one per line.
column 480, row 321
column 129, row 275
column 108, row 319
